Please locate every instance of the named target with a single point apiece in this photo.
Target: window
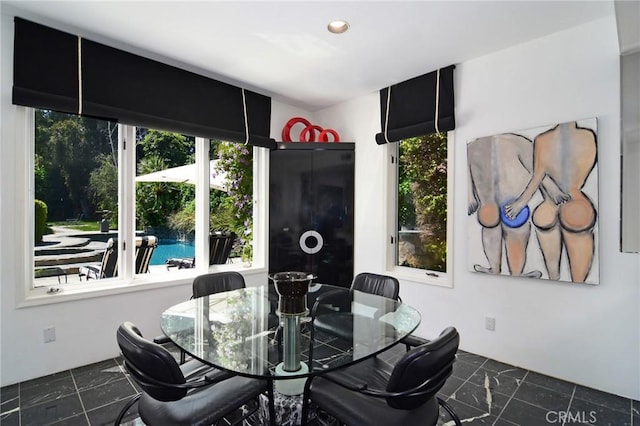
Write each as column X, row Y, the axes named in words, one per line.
column 176, row 188
column 419, row 240
column 165, row 195
column 182, row 101
column 76, row 192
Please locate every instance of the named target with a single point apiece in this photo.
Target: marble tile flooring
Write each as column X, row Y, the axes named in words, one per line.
column 480, row 390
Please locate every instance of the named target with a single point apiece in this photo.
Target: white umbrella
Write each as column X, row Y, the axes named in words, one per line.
column 187, row 174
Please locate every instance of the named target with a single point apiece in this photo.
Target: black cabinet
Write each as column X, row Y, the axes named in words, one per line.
column 311, row 190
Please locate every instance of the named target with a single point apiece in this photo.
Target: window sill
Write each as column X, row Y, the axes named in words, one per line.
column 59, row 293
column 421, row 276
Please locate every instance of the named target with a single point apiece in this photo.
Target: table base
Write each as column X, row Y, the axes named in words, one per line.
column 288, row 410
column 290, row 387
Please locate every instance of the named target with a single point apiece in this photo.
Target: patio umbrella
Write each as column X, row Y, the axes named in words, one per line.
column 187, row 174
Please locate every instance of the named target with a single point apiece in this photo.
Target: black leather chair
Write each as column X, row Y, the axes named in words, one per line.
column 381, row 285
column 206, row 284
column 375, row 392
column 340, row 301
column 217, row 282
column 189, row 394
column 332, row 322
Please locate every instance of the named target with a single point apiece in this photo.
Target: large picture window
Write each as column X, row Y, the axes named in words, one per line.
column 85, row 171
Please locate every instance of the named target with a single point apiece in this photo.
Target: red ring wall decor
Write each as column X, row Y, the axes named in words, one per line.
column 310, row 130
column 286, row 130
column 324, row 138
column 308, row 133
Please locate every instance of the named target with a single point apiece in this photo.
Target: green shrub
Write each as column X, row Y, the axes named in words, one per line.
column 41, row 219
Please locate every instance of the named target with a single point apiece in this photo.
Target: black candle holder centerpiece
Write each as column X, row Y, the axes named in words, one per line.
column 292, row 287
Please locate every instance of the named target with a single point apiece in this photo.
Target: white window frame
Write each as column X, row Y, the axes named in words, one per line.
column 405, row 273
column 127, row 281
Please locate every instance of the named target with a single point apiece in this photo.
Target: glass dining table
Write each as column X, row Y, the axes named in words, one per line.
column 241, row 331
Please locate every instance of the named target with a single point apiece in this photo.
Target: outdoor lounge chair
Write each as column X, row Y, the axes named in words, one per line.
column 220, row 245
column 108, row 268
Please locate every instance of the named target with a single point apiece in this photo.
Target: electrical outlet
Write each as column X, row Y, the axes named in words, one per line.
column 49, row 334
column 490, row 323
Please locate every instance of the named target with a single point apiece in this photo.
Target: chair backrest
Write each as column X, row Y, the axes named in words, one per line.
column 217, row 283
column 144, row 250
column 427, row 366
column 148, row 362
column 220, row 245
column 109, row 264
column 380, row 285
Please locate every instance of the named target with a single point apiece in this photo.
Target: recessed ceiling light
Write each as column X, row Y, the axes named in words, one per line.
column 338, row 26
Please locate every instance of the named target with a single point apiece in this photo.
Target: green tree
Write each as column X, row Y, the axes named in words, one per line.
column 103, row 184
column 184, row 220
column 423, row 194
column 155, row 201
column 175, row 149
column 74, row 156
column 49, row 182
column 67, row 149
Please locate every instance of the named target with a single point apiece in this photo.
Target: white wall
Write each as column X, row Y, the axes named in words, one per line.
column 582, row 333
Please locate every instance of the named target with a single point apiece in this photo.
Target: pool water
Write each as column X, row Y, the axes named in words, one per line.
column 167, row 249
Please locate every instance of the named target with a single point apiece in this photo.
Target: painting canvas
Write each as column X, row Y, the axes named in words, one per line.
column 533, row 203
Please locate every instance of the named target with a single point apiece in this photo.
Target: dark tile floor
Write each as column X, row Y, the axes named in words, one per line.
column 480, row 390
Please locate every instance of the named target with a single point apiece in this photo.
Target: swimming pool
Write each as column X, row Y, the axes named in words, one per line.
column 167, row 249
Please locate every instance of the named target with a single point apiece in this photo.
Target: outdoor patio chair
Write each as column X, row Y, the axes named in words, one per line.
column 220, row 245
column 108, row 268
column 144, row 250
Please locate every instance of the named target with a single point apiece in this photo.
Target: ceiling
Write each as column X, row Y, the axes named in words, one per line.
column 283, row 49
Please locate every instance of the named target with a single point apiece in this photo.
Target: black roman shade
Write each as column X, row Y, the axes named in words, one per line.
column 118, row 85
column 45, row 68
column 419, row 106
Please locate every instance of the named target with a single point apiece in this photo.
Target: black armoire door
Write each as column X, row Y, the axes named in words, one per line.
column 311, row 210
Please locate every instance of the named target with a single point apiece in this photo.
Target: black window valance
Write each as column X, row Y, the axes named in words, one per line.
column 419, row 106
column 59, row 71
column 45, row 68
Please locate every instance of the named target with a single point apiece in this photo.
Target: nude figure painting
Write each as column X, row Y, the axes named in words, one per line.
column 533, row 203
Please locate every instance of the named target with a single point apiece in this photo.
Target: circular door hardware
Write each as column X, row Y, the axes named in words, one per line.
column 311, row 234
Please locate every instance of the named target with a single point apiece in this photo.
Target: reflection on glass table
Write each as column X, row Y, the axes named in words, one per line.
column 240, row 331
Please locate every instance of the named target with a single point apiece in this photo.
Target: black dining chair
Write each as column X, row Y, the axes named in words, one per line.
column 188, row 394
column 376, row 392
column 333, row 322
column 329, row 308
column 204, row 285
column 217, row 282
